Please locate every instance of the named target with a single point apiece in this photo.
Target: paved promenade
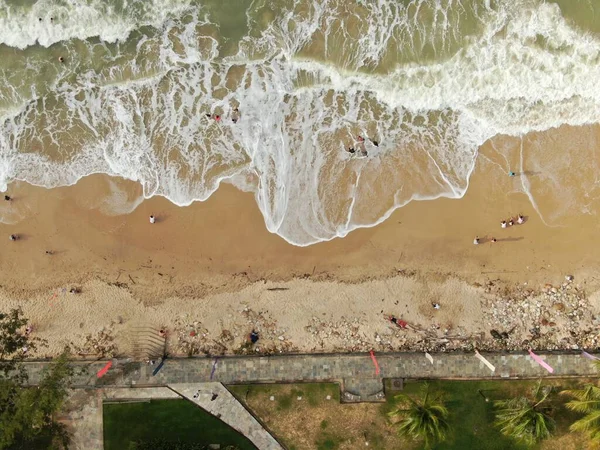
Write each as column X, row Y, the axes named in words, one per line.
column 354, row 370
column 356, row 374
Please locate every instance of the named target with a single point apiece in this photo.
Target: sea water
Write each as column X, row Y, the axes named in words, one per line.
column 141, row 83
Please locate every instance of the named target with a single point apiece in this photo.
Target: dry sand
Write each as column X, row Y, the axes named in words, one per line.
column 213, row 263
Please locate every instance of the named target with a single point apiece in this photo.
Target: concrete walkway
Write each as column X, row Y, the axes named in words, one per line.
column 356, row 374
column 351, row 369
column 227, row 408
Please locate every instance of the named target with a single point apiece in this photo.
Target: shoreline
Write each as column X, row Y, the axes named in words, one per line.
column 209, row 259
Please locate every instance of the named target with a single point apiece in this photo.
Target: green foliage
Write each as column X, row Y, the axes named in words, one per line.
column 27, row 413
column 177, row 421
column 14, row 344
column 525, row 419
column 425, row 418
column 162, row 444
column 328, row 441
column 586, row 401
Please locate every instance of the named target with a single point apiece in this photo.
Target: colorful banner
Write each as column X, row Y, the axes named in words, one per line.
column 160, row 366
column 375, row 362
column 485, row 361
column 103, row 371
column 429, row 357
column 588, row 356
column 540, row 361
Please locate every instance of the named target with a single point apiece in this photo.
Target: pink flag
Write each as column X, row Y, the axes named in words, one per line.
column 103, row 371
column 587, row 355
column 375, row 362
column 540, row 361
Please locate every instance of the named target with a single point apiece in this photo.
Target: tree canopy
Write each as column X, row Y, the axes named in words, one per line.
column 587, row 402
column 525, row 419
column 26, row 412
column 424, row 418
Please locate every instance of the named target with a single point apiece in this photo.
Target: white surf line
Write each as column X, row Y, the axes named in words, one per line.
column 491, row 161
column 351, row 207
column 526, row 186
column 443, row 176
column 501, row 154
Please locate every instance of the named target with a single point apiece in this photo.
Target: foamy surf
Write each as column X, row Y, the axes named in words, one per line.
column 46, row 22
column 429, row 82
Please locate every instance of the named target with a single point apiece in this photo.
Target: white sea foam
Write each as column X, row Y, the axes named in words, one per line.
column 522, row 68
column 47, row 22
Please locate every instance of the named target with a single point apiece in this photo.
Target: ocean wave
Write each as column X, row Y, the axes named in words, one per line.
column 46, row 22
column 144, row 108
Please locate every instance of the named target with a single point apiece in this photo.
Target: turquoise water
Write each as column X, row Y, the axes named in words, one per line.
column 428, row 80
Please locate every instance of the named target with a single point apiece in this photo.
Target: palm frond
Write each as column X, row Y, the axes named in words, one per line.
column 523, row 418
column 425, row 418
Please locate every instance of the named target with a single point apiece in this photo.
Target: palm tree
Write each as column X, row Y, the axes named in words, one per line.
column 587, row 402
column 525, row 419
column 425, row 418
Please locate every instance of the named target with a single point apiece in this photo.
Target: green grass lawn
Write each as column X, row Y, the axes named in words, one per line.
column 314, row 423
column 471, row 417
column 312, row 393
column 172, row 420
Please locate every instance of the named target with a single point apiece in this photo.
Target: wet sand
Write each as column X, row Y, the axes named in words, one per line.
column 209, row 262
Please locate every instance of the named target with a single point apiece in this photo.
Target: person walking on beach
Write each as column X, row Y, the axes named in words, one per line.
column 520, row 219
column 152, row 219
column 511, row 222
column 494, row 240
column 7, row 198
column 351, row 150
column 476, row 241
column 435, row 305
column 13, row 237
column 503, row 224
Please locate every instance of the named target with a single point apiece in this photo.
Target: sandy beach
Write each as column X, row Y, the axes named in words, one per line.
column 211, row 272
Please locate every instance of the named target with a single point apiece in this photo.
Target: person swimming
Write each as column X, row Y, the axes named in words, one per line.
column 235, row 116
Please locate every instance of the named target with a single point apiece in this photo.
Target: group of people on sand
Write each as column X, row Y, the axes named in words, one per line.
column 520, row 219
column 360, row 146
